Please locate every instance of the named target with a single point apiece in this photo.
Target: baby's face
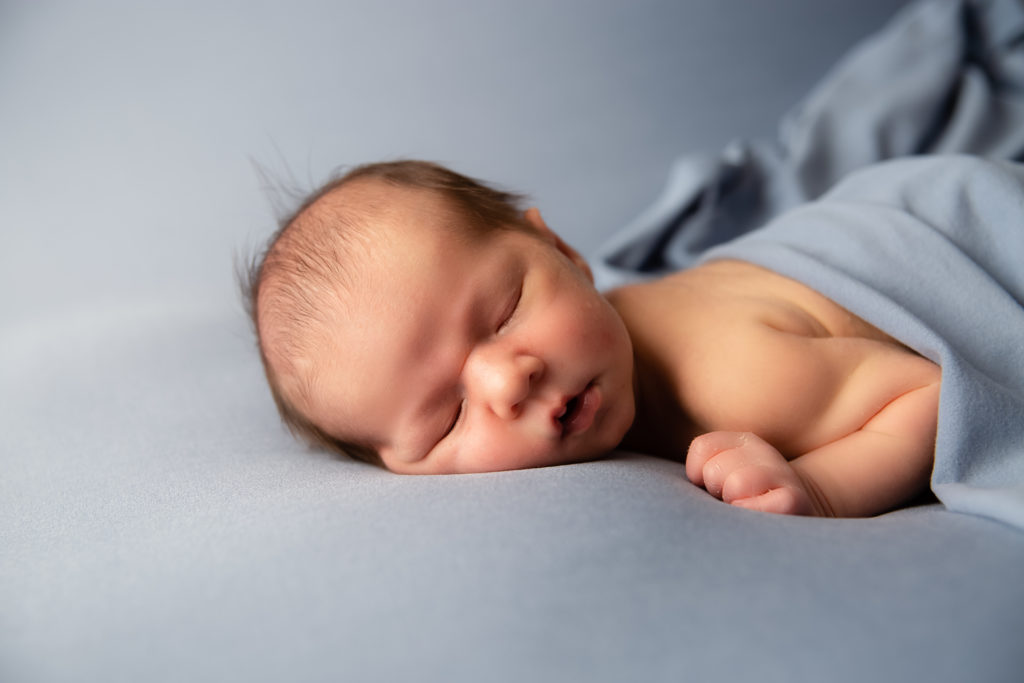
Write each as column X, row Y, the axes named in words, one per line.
column 473, row 354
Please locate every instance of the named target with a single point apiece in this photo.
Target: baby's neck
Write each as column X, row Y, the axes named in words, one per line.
column 660, row 427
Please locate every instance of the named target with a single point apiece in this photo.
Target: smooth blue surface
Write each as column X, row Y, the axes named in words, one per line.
column 156, row 523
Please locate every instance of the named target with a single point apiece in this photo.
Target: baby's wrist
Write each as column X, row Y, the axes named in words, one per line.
column 821, row 504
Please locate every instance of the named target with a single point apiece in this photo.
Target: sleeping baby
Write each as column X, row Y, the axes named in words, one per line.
column 418, row 319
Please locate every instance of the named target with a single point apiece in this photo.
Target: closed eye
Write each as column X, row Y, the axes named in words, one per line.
column 512, row 309
column 455, row 420
column 510, row 313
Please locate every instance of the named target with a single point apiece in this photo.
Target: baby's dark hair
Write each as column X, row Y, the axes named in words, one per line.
column 303, row 257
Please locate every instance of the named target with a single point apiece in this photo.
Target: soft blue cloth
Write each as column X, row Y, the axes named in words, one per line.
column 930, row 250
column 943, row 77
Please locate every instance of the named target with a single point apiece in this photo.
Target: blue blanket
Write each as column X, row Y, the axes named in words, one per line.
column 931, row 250
column 944, row 77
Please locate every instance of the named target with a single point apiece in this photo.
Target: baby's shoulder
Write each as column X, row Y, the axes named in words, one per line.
column 703, row 304
column 731, row 307
column 740, row 296
column 739, row 293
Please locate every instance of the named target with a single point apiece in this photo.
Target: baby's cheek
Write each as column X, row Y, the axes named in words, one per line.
column 588, row 322
column 491, row 448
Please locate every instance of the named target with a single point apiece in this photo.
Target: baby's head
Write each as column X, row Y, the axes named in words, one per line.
column 415, row 318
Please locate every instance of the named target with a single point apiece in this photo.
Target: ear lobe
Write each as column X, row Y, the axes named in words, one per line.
column 535, row 221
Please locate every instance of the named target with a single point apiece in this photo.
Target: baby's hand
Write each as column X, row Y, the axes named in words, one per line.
column 744, row 470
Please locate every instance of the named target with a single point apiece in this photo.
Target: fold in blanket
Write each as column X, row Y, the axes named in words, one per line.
column 943, row 77
column 929, row 249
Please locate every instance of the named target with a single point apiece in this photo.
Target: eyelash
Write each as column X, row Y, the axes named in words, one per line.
column 513, row 310
column 455, row 420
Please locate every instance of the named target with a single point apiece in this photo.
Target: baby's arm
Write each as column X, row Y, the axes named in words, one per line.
column 884, row 464
column 885, row 460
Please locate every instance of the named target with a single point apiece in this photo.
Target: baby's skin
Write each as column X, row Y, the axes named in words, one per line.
column 454, row 353
column 793, row 404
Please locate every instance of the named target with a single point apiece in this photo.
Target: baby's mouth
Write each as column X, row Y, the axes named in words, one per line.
column 570, row 410
column 580, row 411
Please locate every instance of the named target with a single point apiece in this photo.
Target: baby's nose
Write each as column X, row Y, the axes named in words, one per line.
column 503, row 381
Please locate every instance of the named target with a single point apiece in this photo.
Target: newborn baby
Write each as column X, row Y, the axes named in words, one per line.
column 418, row 319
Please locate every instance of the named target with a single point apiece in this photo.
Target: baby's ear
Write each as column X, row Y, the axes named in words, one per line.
column 534, row 220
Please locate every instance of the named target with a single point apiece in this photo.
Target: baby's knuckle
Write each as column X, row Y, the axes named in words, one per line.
column 702, row 442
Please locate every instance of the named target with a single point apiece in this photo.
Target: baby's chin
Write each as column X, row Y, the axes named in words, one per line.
column 617, row 426
column 597, row 451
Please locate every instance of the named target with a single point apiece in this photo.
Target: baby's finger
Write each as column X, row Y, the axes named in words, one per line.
column 781, row 501
column 707, row 446
column 748, row 481
column 725, row 465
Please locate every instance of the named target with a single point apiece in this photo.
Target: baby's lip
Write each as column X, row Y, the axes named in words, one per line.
column 576, row 413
